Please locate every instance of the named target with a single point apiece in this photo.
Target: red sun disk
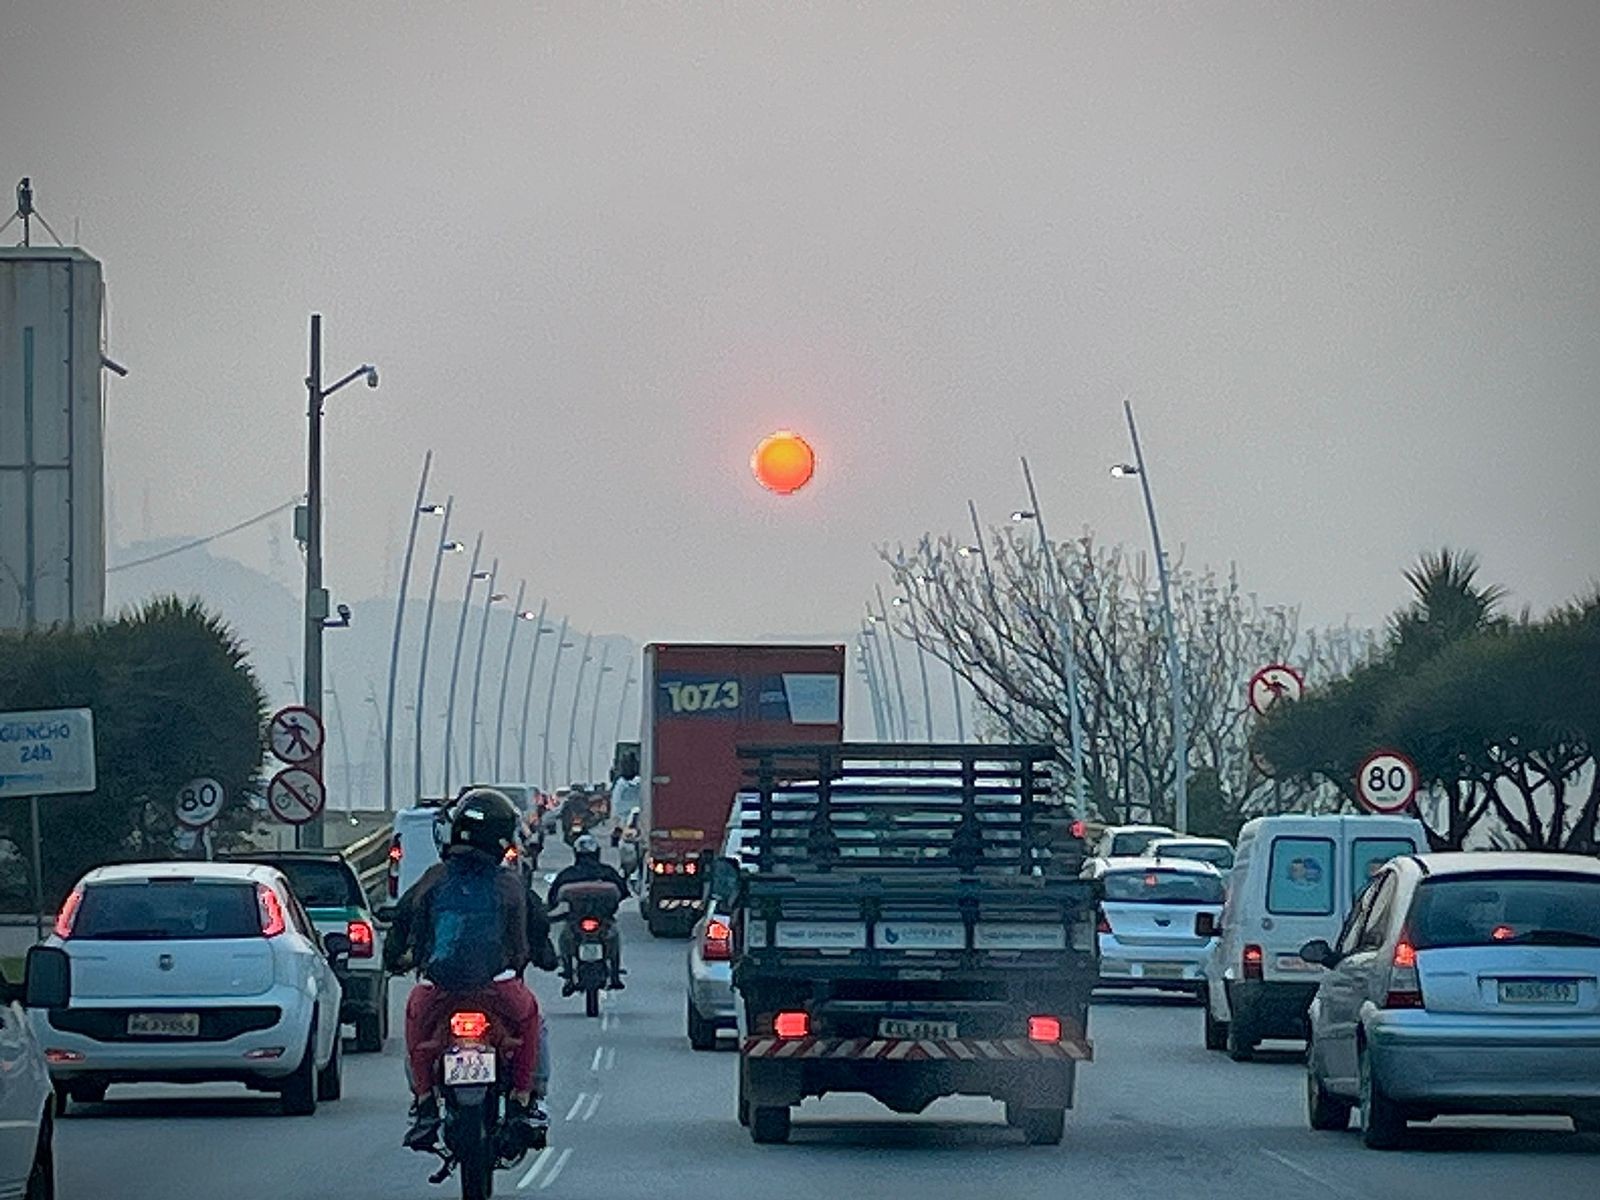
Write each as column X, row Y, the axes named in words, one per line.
column 784, row 462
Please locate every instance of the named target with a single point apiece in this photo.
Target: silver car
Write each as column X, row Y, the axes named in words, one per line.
column 1148, row 937
column 711, row 1000
column 1461, row 983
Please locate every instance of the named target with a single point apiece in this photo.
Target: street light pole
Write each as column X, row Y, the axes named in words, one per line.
column 594, row 709
column 417, row 509
column 517, row 617
column 622, row 702
column 562, row 645
column 1180, row 725
column 910, row 605
column 1069, row 652
column 869, row 628
column 577, row 691
column 316, row 596
column 446, row 546
column 982, row 550
column 490, row 599
column 865, row 657
column 539, row 630
column 473, row 575
column 894, row 657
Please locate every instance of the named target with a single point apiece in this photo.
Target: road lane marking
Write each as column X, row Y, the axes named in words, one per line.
column 576, row 1105
column 607, row 1019
column 540, row 1158
column 593, row 1105
column 1307, row 1173
column 555, row 1171
column 595, row 1065
column 611, row 1057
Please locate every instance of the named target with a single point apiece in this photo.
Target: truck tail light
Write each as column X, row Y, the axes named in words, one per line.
column 1044, row 1029
column 361, row 939
column 1405, row 986
column 792, row 1024
column 717, row 944
column 1253, row 960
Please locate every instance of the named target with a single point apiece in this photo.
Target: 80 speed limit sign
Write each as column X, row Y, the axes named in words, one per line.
column 1387, row 782
column 199, row 802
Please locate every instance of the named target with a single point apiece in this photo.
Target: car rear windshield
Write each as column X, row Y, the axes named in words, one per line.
column 167, row 910
column 322, row 884
column 1507, row 909
column 1132, row 845
column 1217, row 856
column 1163, row 887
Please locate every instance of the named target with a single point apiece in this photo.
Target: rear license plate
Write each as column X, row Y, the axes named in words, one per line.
column 916, row 1031
column 1294, row 963
column 164, row 1024
column 467, row 1067
column 591, row 952
column 1163, row 970
column 1538, row 991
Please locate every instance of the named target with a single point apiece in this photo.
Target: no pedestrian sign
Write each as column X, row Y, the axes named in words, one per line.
column 295, row 796
column 295, row 734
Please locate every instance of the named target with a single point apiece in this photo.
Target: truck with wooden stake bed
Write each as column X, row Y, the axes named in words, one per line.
column 909, row 921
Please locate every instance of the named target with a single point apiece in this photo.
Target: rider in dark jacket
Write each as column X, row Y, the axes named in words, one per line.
column 588, row 869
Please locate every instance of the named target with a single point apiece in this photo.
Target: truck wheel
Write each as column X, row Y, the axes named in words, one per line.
column 702, row 1033
column 369, row 1032
column 769, row 1125
column 1042, row 1126
column 744, row 1105
column 1216, row 1031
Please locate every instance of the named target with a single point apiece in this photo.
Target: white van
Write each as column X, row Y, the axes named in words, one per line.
column 1294, row 879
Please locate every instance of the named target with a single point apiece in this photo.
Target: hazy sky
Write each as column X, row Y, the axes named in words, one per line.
column 1345, row 258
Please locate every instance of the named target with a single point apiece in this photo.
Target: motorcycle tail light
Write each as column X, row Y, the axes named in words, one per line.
column 590, row 924
column 469, row 1026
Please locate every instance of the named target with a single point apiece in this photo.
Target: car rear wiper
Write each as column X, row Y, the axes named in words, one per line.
column 1555, row 937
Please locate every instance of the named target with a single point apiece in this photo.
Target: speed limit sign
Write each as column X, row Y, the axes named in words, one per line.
column 1387, row 782
column 199, row 802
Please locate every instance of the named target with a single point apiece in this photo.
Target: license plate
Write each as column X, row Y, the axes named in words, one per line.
column 916, row 1031
column 591, row 952
column 466, row 1067
column 1163, row 970
column 1293, row 962
column 164, row 1024
column 1538, row 991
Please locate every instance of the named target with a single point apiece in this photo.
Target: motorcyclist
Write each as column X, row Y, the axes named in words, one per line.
column 428, row 929
column 588, row 869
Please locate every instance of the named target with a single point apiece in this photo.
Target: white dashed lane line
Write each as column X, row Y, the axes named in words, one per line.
column 555, row 1171
column 576, row 1105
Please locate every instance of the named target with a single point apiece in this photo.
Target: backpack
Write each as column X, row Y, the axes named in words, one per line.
column 466, row 953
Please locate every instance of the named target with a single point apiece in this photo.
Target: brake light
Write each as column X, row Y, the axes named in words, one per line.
column 68, row 915
column 360, row 935
column 1105, row 923
column 271, row 911
column 1503, row 933
column 396, row 853
column 1405, row 985
column 1080, row 830
column 469, row 1026
column 717, row 945
column 510, row 856
column 590, row 924
column 1253, row 960
column 1044, row 1029
column 792, row 1024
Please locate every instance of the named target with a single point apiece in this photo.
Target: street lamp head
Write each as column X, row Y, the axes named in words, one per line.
column 480, row 574
column 496, row 597
column 1123, row 470
column 371, row 373
column 454, row 547
column 969, row 551
column 526, row 615
column 898, row 601
column 1023, row 514
column 432, row 510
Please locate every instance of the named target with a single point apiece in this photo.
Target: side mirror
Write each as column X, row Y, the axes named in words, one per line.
column 1205, row 925
column 337, row 947
column 48, row 982
column 385, row 913
column 1318, row 953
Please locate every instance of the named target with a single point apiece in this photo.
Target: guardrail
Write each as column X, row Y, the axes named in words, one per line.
column 370, row 859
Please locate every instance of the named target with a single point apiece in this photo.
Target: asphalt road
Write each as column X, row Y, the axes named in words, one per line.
column 636, row 1113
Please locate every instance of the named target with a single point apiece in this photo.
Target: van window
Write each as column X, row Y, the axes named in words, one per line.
column 1300, row 877
column 1367, row 856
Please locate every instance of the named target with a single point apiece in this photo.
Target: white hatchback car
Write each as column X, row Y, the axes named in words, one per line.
column 1148, row 934
column 191, row 972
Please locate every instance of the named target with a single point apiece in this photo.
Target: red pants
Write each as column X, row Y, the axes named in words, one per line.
column 512, row 1011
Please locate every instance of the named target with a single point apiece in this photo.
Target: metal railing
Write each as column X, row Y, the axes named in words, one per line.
column 370, row 859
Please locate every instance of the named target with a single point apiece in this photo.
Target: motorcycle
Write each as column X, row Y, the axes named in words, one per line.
column 476, row 1138
column 591, row 910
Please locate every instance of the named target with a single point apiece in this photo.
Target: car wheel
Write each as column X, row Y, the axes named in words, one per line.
column 42, row 1175
column 1326, row 1113
column 1586, row 1122
column 702, row 1033
column 299, row 1091
column 370, row 1032
column 63, row 1098
column 1216, row 1031
column 1040, row 1126
column 1383, row 1124
column 330, row 1080
column 769, row 1125
column 1241, row 1040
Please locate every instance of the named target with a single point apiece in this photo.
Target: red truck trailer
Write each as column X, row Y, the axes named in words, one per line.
column 702, row 702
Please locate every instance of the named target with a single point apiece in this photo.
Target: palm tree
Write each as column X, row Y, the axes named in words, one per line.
column 1449, row 605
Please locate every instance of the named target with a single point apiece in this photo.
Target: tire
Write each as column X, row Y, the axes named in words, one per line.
column 87, row 1093
column 1327, row 1114
column 1216, row 1034
column 299, row 1092
column 63, row 1099
column 769, row 1126
column 330, row 1080
column 591, row 1002
column 1586, row 1122
column 1041, row 1126
column 475, row 1158
column 42, row 1175
column 1241, row 1037
column 1383, row 1122
column 370, row 1032
column 744, row 1105
column 702, row 1033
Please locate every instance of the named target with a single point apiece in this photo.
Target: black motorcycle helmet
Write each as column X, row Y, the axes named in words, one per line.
column 485, row 820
